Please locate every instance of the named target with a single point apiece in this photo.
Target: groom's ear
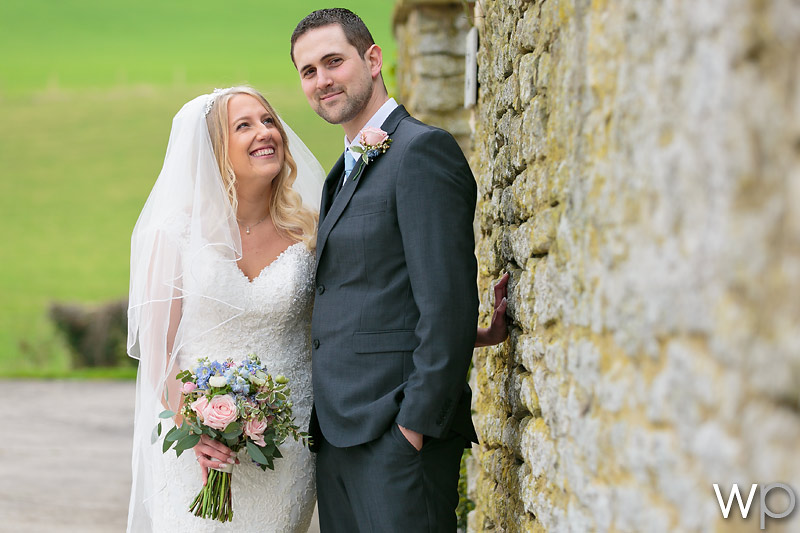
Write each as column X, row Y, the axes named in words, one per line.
column 374, row 58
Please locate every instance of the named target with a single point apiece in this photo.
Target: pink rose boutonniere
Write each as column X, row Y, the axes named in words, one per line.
column 373, row 136
column 373, row 142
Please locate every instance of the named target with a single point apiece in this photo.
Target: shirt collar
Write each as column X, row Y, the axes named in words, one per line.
column 376, row 121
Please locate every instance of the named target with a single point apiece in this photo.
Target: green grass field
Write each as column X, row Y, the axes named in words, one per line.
column 88, row 90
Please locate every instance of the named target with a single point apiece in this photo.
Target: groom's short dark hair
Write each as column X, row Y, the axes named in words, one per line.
column 354, row 28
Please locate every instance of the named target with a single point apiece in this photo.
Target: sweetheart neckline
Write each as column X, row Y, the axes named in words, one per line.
column 252, row 281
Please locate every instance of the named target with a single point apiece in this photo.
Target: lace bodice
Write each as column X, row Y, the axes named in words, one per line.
column 274, row 316
column 271, row 317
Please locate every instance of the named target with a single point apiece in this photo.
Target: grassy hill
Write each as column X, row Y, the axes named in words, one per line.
column 88, row 89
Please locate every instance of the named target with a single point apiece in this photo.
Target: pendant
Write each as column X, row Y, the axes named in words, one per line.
column 247, row 229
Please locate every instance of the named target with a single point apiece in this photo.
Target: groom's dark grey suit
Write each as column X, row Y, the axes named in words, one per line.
column 395, row 317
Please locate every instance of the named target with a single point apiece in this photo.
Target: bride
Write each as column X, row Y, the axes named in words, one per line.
column 222, row 266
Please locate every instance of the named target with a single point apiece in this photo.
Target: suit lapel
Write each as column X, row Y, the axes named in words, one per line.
column 339, row 203
column 334, row 207
column 393, row 120
column 329, row 187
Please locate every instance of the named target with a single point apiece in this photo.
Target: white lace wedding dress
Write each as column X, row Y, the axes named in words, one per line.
column 274, row 323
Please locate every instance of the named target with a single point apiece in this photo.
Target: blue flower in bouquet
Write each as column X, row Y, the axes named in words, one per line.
column 217, row 368
column 240, row 385
column 250, row 366
column 203, row 373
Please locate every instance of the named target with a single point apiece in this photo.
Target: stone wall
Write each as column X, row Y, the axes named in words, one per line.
column 638, row 165
column 430, row 37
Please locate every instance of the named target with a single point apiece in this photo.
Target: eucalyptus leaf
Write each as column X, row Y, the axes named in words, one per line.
column 177, row 433
column 172, row 431
column 233, row 426
column 167, row 445
column 269, row 450
column 232, row 434
column 256, row 454
column 156, row 433
column 187, row 442
column 166, row 414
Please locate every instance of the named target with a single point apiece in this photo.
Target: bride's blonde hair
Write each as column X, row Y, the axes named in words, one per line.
column 286, row 209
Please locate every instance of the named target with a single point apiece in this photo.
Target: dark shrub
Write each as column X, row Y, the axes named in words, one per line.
column 96, row 335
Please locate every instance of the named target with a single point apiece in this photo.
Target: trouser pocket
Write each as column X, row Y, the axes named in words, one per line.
column 401, row 439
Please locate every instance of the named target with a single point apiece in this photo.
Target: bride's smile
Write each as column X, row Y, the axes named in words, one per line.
column 263, row 152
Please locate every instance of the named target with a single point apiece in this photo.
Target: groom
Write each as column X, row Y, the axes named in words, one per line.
column 396, row 307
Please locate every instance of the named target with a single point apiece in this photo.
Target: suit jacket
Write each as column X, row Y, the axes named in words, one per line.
column 396, row 308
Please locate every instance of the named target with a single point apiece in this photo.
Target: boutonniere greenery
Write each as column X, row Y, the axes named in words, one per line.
column 372, row 143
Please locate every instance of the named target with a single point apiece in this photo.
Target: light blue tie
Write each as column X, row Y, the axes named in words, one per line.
column 349, row 163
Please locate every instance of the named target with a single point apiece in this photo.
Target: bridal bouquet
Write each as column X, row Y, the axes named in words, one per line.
column 240, row 405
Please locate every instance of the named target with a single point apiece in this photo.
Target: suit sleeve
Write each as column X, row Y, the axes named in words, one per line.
column 436, row 196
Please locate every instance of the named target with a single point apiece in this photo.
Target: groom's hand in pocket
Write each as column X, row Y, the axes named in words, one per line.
column 212, row 454
column 412, row 436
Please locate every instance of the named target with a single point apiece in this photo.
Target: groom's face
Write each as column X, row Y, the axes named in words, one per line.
column 335, row 78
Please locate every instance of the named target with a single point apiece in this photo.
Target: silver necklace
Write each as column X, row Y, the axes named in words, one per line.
column 247, row 227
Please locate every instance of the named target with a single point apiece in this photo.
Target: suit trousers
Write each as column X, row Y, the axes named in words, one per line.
column 386, row 485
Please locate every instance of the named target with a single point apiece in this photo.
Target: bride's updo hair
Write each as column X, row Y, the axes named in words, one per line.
column 286, row 208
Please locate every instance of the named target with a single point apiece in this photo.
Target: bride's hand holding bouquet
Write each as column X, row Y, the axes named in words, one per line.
column 227, row 407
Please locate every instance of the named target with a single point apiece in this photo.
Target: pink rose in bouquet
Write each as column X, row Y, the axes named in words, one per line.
column 199, row 406
column 254, row 428
column 220, row 412
column 373, row 136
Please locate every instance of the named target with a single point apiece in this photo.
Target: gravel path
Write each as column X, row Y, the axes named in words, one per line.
column 57, row 476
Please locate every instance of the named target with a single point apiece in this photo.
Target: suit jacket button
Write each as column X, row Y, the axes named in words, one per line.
column 320, row 289
column 316, row 343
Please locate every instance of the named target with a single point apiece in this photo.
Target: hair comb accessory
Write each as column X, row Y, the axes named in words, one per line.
column 211, row 99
